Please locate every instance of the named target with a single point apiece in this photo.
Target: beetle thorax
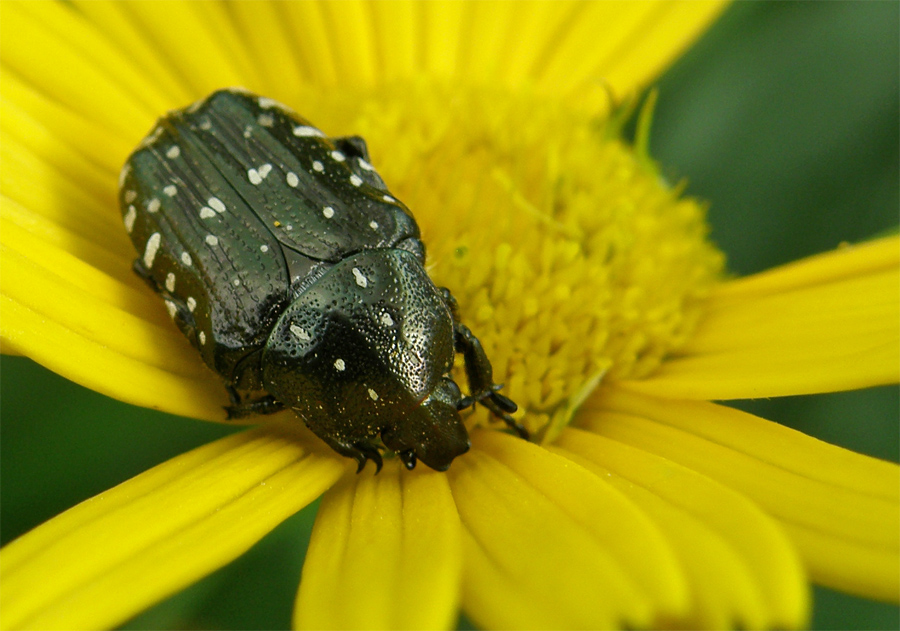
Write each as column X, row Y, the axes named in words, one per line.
column 362, row 348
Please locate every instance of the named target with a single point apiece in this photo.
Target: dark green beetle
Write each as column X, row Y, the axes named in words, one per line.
column 286, row 262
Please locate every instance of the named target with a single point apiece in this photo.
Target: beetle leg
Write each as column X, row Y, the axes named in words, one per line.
column 451, row 303
column 369, row 452
column 481, row 379
column 354, row 146
column 240, row 409
column 361, row 451
column 408, row 458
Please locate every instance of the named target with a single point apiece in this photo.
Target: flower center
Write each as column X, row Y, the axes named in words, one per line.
column 570, row 259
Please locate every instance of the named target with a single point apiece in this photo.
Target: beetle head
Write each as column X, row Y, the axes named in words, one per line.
column 433, row 430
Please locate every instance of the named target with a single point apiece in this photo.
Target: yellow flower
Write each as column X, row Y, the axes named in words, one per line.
column 590, row 281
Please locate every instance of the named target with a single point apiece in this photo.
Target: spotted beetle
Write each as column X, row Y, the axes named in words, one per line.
column 287, row 263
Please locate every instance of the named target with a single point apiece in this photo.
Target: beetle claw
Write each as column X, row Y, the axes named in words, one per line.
column 499, row 410
column 408, row 458
column 266, row 404
column 504, row 403
column 366, row 452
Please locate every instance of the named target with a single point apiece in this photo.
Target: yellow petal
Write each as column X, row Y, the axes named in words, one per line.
column 353, row 41
column 198, row 42
column 815, row 326
column 121, row 551
column 54, row 196
column 565, row 48
column 491, row 33
column 45, row 145
column 269, row 39
column 35, row 46
column 113, row 21
column 107, row 348
column 442, row 36
column 41, row 234
column 659, row 29
column 314, row 41
column 70, row 28
column 846, row 262
column 593, row 559
column 743, row 571
column 841, row 509
column 384, row 554
column 659, row 39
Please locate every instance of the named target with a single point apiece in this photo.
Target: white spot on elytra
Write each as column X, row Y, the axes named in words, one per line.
column 373, row 225
column 388, row 198
column 292, row 179
column 186, row 259
column 365, row 166
column 264, row 170
column 216, row 204
column 338, row 156
column 361, row 280
column 387, row 320
column 328, row 211
column 173, row 152
column 202, row 337
column 205, row 125
column 151, row 249
column 300, row 332
column 266, row 103
column 170, row 281
column 128, row 219
column 212, row 240
column 171, row 190
column 355, row 180
column 263, row 248
column 373, row 395
column 153, row 137
column 191, row 304
column 171, row 308
column 305, row 131
column 130, row 196
column 153, row 205
column 266, row 120
column 253, row 176
column 318, row 166
column 207, row 213
column 339, row 364
column 247, row 131
column 124, row 174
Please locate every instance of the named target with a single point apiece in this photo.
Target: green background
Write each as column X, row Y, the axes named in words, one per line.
column 785, row 117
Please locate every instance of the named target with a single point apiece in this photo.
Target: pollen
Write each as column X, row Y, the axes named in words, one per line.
column 571, row 259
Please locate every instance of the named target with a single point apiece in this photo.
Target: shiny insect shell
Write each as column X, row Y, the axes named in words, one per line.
column 287, row 263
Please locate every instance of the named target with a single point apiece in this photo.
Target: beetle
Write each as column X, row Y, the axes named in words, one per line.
column 284, row 259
